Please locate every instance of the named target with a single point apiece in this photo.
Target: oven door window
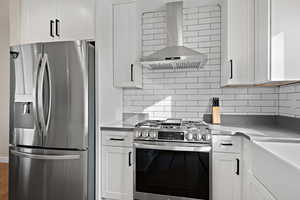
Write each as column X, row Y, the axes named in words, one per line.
column 173, row 173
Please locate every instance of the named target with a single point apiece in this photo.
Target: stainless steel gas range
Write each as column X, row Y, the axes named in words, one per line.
column 173, row 160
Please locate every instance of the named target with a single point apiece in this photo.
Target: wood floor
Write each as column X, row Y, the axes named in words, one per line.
column 3, row 181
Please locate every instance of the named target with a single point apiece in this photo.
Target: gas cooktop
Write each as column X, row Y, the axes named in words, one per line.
column 173, row 130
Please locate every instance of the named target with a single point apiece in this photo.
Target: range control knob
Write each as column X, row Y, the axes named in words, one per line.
column 152, row 134
column 145, row 134
column 138, row 134
column 198, row 137
column 206, row 137
column 189, row 136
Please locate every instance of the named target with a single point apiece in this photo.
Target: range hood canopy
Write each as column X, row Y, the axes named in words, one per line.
column 175, row 55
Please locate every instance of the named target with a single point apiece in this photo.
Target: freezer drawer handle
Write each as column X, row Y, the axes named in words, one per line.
column 46, row 157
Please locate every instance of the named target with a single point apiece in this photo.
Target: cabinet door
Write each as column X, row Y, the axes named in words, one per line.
column 14, row 22
column 75, row 19
column 36, row 20
column 257, row 191
column 237, row 42
column 226, row 176
column 126, row 70
column 117, row 173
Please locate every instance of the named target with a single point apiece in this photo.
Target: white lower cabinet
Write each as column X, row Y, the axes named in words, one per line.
column 117, row 173
column 226, row 176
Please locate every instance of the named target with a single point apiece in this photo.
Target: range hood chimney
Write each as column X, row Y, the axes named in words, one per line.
column 175, row 55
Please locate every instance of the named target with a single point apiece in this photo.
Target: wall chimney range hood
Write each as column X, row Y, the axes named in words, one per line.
column 175, row 55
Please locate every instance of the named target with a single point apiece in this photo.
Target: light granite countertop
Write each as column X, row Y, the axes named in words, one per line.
column 258, row 132
column 117, row 127
column 253, row 132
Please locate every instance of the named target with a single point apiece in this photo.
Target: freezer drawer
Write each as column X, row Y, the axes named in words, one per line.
column 39, row 174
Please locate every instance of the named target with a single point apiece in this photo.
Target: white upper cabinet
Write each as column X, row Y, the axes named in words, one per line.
column 76, row 19
column 237, row 24
column 127, row 70
column 14, row 22
column 35, row 21
column 277, row 41
column 38, row 20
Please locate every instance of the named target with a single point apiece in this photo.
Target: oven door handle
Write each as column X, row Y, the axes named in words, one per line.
column 205, row 148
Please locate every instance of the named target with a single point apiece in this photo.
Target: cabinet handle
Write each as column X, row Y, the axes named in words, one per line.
column 226, row 144
column 51, row 28
column 57, row 27
column 117, row 139
column 131, row 72
column 231, row 69
column 129, row 159
column 237, row 166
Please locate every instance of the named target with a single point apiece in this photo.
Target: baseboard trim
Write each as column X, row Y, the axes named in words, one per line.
column 3, row 159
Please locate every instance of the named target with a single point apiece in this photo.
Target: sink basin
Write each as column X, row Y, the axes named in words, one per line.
column 277, row 166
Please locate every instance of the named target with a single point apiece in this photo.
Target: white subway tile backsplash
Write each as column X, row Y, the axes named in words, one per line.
column 187, row 93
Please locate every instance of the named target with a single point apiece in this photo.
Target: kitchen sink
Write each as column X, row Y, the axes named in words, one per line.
column 277, row 166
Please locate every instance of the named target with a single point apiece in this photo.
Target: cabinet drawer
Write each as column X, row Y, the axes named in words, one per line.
column 117, row 138
column 230, row 144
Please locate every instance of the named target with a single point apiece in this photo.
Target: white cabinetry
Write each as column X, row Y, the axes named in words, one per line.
column 77, row 19
column 277, row 41
column 117, row 165
column 117, row 173
column 226, row 168
column 226, row 176
column 257, row 191
column 127, row 70
column 237, row 25
column 35, row 21
column 38, row 20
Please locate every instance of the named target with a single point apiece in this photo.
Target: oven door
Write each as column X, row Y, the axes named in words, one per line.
column 172, row 171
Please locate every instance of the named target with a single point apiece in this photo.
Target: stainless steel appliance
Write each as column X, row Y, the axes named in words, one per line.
column 52, row 121
column 172, row 160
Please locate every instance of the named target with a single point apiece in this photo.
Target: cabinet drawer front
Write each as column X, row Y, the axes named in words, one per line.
column 230, row 144
column 117, row 138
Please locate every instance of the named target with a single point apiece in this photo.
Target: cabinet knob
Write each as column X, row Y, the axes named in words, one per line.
column 51, row 28
column 231, row 69
column 131, row 72
column 57, row 27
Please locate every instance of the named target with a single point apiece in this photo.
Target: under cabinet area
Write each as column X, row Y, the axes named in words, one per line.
column 237, row 41
column 117, row 165
column 33, row 21
column 226, row 171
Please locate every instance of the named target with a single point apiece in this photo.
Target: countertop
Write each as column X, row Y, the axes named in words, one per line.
column 258, row 132
column 255, row 128
column 117, row 127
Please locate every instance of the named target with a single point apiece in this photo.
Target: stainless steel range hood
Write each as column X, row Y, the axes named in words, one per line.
column 175, row 55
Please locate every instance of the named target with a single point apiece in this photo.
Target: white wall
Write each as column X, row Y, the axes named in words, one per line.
column 4, row 77
column 187, row 93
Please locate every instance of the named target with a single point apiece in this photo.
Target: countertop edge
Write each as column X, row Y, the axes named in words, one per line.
column 116, row 128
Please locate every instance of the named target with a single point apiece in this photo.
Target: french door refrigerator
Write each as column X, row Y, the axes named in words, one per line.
column 52, row 121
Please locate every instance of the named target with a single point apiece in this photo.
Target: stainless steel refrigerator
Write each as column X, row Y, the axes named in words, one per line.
column 52, row 131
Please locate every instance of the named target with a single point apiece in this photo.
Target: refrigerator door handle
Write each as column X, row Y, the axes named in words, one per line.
column 45, row 157
column 40, row 86
column 35, row 92
column 50, row 92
